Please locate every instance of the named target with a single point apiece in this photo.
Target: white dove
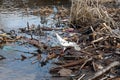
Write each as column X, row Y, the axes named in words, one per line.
column 65, row 43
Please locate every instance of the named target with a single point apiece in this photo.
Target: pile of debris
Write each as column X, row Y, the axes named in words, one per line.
column 99, row 42
column 96, row 32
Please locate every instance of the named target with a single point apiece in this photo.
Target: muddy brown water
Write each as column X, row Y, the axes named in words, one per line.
column 12, row 17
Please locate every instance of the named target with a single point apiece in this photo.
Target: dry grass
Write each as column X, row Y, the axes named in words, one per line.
column 90, row 15
column 86, row 13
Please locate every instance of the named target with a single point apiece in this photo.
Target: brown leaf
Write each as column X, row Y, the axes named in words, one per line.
column 51, row 55
column 65, row 72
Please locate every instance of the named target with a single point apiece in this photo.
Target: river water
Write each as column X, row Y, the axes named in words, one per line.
column 12, row 12
column 12, row 17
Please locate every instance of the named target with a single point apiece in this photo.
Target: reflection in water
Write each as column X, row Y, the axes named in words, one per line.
column 17, row 20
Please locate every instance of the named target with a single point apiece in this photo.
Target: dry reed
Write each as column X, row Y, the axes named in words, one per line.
column 91, row 15
column 86, row 13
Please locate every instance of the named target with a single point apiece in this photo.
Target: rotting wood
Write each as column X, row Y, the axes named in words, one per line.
column 99, row 73
column 85, row 62
column 33, row 42
column 68, row 65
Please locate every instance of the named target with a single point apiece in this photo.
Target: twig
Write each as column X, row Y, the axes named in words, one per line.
column 107, row 27
column 24, row 52
column 83, row 51
column 99, row 73
column 85, row 63
column 81, row 77
column 35, row 61
column 93, row 64
column 97, row 40
column 68, row 65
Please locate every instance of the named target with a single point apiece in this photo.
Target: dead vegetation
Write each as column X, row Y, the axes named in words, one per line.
column 99, row 26
column 96, row 30
column 100, row 32
column 89, row 13
column 92, row 18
